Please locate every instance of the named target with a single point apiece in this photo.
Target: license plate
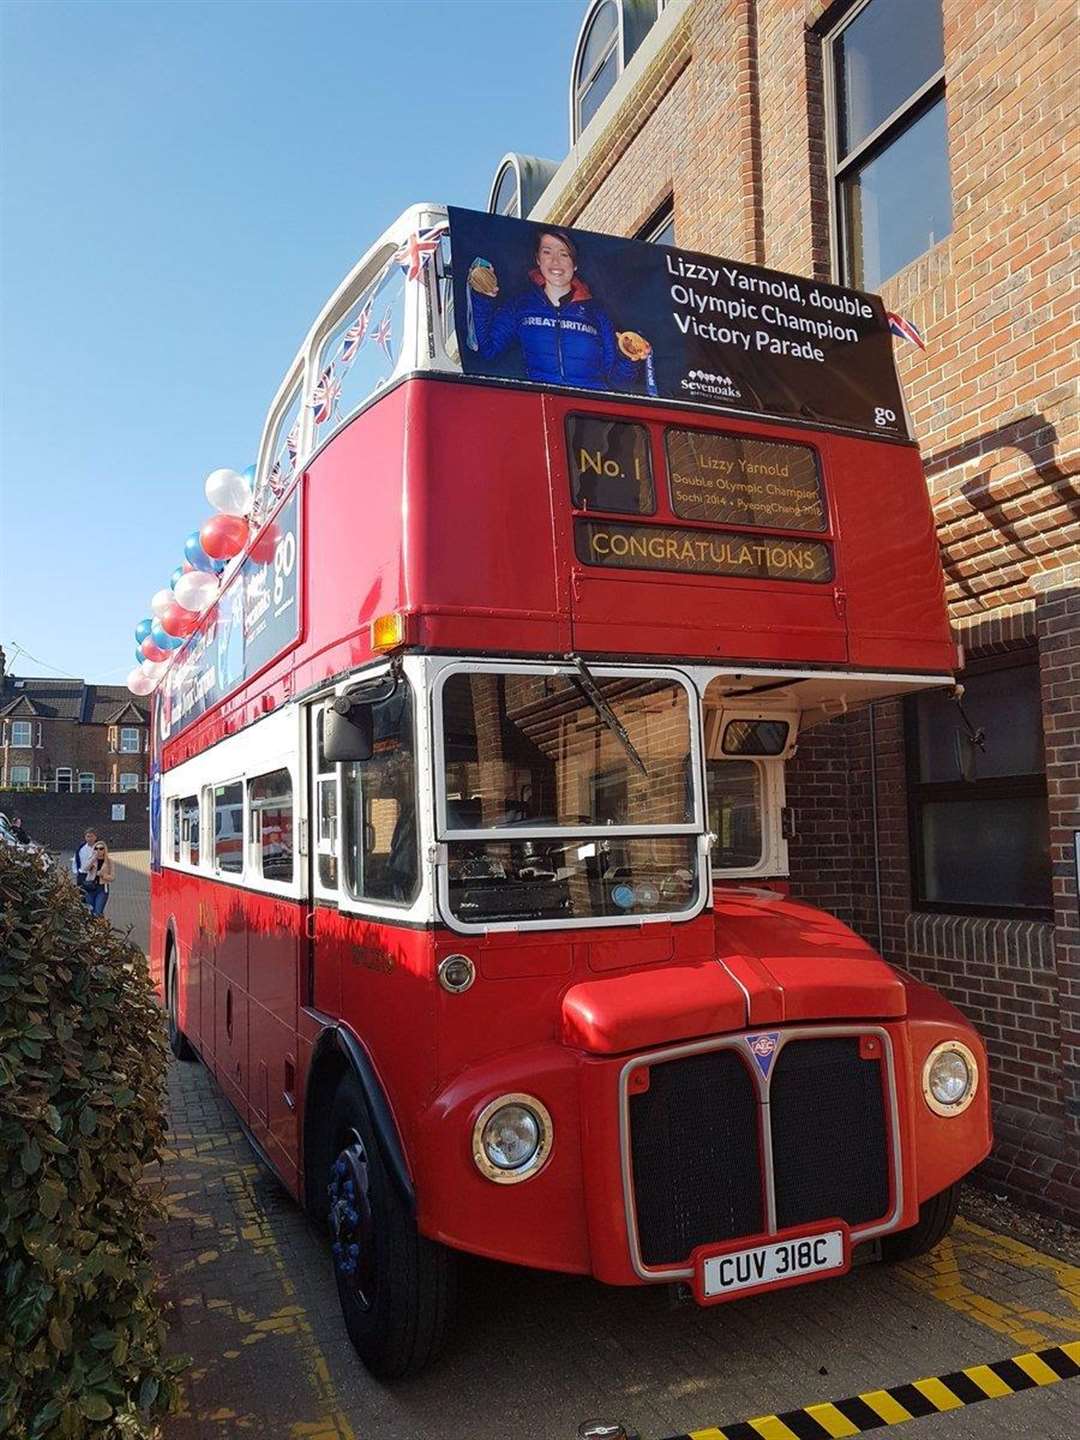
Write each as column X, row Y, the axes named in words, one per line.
column 780, row 1262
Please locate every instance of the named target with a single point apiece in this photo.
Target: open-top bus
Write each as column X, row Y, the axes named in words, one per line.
column 469, row 857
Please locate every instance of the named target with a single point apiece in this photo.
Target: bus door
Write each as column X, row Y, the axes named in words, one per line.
column 276, row 950
column 321, row 981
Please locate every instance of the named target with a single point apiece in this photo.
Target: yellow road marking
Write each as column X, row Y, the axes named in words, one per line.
column 890, row 1410
column 837, row 1424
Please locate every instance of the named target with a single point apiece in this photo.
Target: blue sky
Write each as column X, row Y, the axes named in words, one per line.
column 181, row 188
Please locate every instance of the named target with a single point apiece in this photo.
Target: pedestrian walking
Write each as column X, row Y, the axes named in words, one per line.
column 84, row 853
column 99, row 876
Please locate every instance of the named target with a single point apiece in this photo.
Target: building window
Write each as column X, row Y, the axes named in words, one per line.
column 597, row 66
column 270, row 816
column 22, row 734
column 229, row 828
column 129, row 740
column 86, row 783
column 888, row 144
column 979, row 824
column 63, row 777
column 19, row 775
column 129, row 780
column 660, row 229
column 506, row 200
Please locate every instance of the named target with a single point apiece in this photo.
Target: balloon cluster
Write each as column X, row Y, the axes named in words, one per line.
column 193, row 586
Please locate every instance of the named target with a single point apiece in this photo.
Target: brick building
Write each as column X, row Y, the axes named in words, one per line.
column 66, row 737
column 926, row 150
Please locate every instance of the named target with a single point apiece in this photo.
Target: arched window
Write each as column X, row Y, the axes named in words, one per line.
column 597, row 66
column 506, row 200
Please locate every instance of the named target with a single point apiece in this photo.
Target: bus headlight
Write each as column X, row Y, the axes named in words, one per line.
column 512, row 1138
column 950, row 1078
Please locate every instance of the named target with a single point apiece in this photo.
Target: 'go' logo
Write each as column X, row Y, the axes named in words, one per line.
column 883, row 416
column 284, row 561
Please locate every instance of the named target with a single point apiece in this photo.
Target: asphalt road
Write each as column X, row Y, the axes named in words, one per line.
column 251, row 1298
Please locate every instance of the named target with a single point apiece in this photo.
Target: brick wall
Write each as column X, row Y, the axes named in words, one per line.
column 56, row 821
column 727, row 116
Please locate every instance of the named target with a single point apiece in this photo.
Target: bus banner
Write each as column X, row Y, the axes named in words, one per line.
column 597, row 312
column 256, row 618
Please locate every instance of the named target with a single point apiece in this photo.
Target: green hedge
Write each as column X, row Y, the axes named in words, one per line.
column 82, row 1064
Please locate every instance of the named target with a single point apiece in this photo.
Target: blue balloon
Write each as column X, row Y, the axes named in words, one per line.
column 249, row 475
column 139, row 656
column 142, row 629
column 163, row 640
column 175, row 576
column 195, row 555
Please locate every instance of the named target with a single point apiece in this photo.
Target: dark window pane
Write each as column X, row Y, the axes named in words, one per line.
column 594, row 96
column 755, row 737
column 1006, row 704
column 610, row 465
column 899, row 204
column 734, row 791
column 190, row 827
column 993, row 852
column 889, row 50
column 662, row 234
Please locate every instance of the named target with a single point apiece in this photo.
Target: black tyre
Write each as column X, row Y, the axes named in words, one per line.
column 178, row 1042
column 397, row 1289
column 936, row 1216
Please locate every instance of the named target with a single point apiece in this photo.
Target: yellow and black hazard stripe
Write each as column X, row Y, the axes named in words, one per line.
column 878, row 1408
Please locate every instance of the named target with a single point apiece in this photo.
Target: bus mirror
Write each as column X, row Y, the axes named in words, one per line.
column 348, row 731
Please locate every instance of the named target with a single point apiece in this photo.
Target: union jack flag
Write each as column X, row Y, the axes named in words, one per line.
column 382, row 336
column 417, row 251
column 292, row 443
column 356, row 333
column 904, row 329
column 325, row 395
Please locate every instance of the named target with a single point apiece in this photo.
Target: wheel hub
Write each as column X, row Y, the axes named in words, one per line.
column 351, row 1221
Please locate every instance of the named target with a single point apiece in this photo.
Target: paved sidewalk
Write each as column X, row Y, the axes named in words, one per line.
column 251, row 1297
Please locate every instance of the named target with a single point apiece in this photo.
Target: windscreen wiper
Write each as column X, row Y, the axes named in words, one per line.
column 589, row 688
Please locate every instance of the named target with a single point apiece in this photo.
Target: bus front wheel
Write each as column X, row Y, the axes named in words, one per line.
column 396, row 1287
column 178, row 1042
column 936, row 1216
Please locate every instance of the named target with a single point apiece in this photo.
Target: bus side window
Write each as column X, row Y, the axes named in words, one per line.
column 229, row 828
column 326, row 820
column 174, row 806
column 379, row 802
column 270, row 822
column 189, row 829
column 735, row 801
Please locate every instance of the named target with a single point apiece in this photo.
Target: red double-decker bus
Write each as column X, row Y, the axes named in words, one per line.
column 470, row 835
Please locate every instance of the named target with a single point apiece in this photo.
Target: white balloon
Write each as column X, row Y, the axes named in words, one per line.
column 196, row 590
column 155, row 668
column 138, row 682
column 228, row 492
column 161, row 602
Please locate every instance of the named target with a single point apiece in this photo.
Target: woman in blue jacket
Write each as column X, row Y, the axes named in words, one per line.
column 566, row 338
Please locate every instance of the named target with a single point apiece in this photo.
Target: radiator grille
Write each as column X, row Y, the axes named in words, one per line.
column 830, row 1153
column 695, row 1155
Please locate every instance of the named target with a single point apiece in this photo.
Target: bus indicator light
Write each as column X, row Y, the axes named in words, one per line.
column 388, row 632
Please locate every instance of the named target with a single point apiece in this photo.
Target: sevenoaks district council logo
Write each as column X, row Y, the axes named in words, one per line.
column 763, row 1049
column 720, row 386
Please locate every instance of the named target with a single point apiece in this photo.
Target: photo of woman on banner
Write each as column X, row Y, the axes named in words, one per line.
column 566, row 336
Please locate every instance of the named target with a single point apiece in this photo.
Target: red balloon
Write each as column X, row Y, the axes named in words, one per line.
column 224, row 536
column 266, row 543
column 177, row 621
column 153, row 652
